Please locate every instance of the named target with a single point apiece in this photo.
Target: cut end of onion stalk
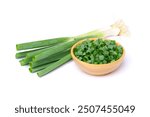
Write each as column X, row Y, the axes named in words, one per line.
column 17, row 46
column 30, row 69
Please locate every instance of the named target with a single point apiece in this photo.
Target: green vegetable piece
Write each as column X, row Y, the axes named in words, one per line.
column 101, row 57
column 110, row 47
column 104, row 61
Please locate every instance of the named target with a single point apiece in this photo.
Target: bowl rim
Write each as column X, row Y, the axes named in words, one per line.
column 79, row 42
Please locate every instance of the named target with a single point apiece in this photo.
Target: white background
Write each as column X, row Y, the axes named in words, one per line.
column 29, row 20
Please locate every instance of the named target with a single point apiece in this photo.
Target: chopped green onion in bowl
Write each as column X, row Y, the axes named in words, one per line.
column 96, row 57
column 99, row 51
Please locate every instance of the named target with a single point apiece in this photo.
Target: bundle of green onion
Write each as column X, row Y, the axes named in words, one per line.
column 46, row 55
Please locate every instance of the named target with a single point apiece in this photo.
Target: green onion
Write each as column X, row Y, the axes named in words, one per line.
column 24, row 53
column 49, row 59
column 29, row 56
column 41, row 43
column 53, row 50
column 53, row 66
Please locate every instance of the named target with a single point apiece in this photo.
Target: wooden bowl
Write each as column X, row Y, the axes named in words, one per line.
column 96, row 69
